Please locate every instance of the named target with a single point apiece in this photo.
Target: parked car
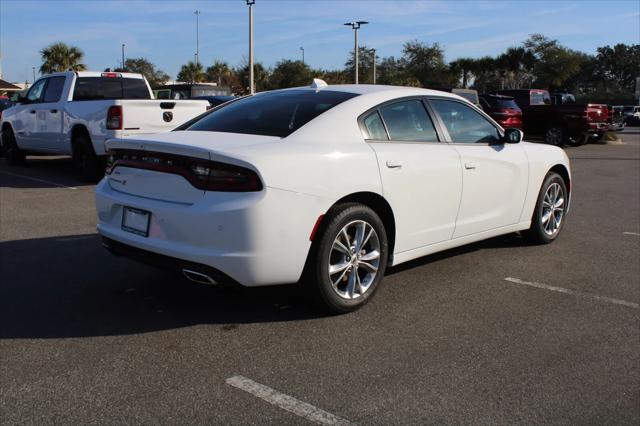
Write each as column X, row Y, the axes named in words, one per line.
column 326, row 186
column 616, row 118
column 560, row 123
column 503, row 109
column 215, row 100
column 631, row 115
column 5, row 103
column 189, row 90
column 74, row 113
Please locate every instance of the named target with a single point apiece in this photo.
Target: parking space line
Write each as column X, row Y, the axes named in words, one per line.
column 76, row 238
column 575, row 293
column 631, row 233
column 48, row 182
column 286, row 402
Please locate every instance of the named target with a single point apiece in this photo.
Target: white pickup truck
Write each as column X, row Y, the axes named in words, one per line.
column 74, row 113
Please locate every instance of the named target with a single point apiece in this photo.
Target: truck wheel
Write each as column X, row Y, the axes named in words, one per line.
column 85, row 160
column 14, row 155
column 555, row 135
column 548, row 216
column 348, row 258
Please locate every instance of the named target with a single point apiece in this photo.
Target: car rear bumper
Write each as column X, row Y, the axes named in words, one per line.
column 257, row 238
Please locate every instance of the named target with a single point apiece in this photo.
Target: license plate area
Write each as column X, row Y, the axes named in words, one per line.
column 136, row 221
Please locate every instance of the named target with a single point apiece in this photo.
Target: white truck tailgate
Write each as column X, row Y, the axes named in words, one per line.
column 146, row 116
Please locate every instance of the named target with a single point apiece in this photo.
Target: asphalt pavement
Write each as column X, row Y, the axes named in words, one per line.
column 496, row 332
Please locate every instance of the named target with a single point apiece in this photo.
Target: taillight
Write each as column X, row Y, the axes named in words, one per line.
column 114, row 117
column 202, row 174
column 214, row 176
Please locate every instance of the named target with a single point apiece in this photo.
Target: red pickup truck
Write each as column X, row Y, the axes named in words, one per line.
column 561, row 123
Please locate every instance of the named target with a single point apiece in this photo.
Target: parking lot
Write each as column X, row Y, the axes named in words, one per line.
column 496, row 332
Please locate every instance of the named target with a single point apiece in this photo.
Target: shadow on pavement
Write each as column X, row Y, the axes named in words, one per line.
column 40, row 172
column 71, row 287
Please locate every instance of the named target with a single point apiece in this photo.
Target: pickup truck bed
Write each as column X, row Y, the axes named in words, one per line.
column 74, row 113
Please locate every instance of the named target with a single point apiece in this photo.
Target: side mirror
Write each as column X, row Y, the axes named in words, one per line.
column 22, row 100
column 512, row 135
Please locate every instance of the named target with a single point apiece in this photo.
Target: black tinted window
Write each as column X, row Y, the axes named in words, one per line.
column 408, row 121
column 96, row 88
column 465, row 125
column 271, row 114
column 498, row 102
column 374, row 127
column 54, row 89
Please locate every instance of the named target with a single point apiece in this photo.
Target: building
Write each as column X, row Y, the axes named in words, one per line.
column 8, row 88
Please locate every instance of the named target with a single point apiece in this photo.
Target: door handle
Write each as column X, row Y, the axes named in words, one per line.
column 33, row 111
column 470, row 165
column 393, row 165
column 54, row 111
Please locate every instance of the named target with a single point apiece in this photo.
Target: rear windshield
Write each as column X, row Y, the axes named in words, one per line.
column 96, row 88
column 540, row 98
column 272, row 114
column 500, row 103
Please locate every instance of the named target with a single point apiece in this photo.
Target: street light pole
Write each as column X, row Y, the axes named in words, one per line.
column 34, row 74
column 355, row 26
column 252, row 88
column 123, row 68
column 374, row 66
column 302, row 48
column 197, row 13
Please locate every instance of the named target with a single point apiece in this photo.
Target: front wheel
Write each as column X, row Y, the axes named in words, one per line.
column 548, row 216
column 349, row 260
column 13, row 154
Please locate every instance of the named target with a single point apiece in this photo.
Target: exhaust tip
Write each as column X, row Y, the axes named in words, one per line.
column 198, row 277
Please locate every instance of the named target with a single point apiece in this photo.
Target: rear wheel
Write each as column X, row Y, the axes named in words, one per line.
column 349, row 259
column 555, row 135
column 548, row 217
column 14, row 155
column 85, row 160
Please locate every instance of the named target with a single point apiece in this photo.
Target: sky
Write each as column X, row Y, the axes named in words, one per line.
column 164, row 31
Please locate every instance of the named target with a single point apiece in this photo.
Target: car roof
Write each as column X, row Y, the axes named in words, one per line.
column 377, row 89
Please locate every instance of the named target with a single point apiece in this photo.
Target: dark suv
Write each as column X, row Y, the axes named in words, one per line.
column 503, row 109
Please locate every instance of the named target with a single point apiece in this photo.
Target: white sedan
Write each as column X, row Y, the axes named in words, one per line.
column 326, row 186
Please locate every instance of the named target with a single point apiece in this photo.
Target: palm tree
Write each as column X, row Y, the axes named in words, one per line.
column 59, row 57
column 191, row 73
column 221, row 73
column 462, row 67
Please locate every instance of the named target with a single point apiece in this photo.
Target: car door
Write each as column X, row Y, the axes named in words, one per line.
column 494, row 174
column 421, row 176
column 25, row 123
column 49, row 116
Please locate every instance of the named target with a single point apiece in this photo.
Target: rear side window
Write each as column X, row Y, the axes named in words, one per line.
column 375, row 128
column 540, row 98
column 464, row 124
column 96, row 88
column 272, row 114
column 408, row 121
column 54, row 89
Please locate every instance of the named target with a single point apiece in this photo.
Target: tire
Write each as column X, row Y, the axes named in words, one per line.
column 355, row 279
column 86, row 162
column 14, row 155
column 555, row 135
column 545, row 226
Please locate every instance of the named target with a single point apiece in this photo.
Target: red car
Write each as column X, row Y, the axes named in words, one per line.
column 503, row 109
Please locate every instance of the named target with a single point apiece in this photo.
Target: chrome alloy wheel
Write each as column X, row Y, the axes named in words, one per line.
column 354, row 259
column 552, row 209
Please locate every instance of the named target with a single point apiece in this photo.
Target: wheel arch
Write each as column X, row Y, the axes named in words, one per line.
column 6, row 126
column 381, row 206
column 564, row 173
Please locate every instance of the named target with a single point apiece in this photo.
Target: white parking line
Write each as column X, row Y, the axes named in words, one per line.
column 631, row 233
column 574, row 293
column 286, row 402
column 48, row 182
column 76, row 238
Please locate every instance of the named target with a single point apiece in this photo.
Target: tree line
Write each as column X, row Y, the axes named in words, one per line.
column 539, row 62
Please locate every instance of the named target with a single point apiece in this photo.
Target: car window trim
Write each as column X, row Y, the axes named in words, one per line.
column 428, row 110
column 449, row 140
